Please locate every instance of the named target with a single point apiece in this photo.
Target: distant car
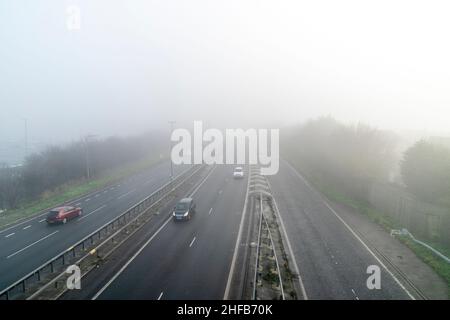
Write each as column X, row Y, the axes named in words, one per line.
column 238, row 173
column 184, row 209
column 63, row 214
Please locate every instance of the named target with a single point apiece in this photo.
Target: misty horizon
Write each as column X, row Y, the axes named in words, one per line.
column 130, row 69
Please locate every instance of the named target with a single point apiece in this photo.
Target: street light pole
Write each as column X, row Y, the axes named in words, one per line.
column 170, row 149
column 25, row 121
column 88, row 167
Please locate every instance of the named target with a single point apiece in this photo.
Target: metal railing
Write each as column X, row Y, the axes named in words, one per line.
column 57, row 263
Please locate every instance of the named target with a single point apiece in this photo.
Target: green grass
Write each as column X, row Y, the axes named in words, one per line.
column 74, row 190
column 441, row 267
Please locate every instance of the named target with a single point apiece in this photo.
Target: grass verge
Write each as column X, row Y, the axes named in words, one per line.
column 75, row 190
column 441, row 267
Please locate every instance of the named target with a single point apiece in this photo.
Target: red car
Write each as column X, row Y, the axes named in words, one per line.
column 63, row 214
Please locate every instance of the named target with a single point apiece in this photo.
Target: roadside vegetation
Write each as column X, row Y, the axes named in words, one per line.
column 343, row 162
column 59, row 174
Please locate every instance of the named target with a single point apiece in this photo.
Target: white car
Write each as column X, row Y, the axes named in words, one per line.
column 238, row 173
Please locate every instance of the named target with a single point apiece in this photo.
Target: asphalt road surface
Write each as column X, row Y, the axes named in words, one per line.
column 332, row 261
column 28, row 244
column 192, row 259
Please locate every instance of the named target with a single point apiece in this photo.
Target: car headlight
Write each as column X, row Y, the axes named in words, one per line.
column 185, row 215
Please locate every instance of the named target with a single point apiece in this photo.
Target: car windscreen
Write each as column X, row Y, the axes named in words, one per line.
column 52, row 214
column 182, row 206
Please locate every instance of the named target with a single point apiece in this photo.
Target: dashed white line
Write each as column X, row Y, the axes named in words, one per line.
column 87, row 215
column 131, row 260
column 32, row 244
column 25, row 228
column 210, row 210
column 105, row 191
column 9, row 235
column 355, row 235
column 192, row 242
column 87, row 199
column 41, row 220
column 97, row 195
column 78, row 204
column 160, row 295
column 125, row 194
column 354, row 293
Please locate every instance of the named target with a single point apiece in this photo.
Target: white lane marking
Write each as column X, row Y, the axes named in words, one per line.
column 97, row 195
column 111, row 188
column 41, row 220
column 78, row 204
column 210, row 210
column 143, row 246
column 87, row 215
column 354, row 293
column 9, row 235
column 160, row 295
column 125, row 194
column 32, row 244
column 192, row 242
column 297, row 270
column 25, row 228
column 131, row 260
column 198, row 187
column 87, row 199
column 105, row 191
column 355, row 235
column 236, row 246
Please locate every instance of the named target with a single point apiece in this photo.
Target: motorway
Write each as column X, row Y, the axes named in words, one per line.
column 192, row 259
column 332, row 261
column 28, row 244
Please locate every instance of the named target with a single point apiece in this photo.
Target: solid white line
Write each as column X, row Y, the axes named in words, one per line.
column 41, row 220
column 210, row 210
column 160, row 295
column 25, row 228
column 143, row 247
column 30, row 245
column 192, row 242
column 9, row 235
column 125, row 194
column 358, row 238
column 291, row 252
column 131, row 260
column 198, row 187
column 87, row 215
column 236, row 246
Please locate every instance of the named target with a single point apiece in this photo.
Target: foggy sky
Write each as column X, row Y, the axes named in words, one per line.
column 134, row 65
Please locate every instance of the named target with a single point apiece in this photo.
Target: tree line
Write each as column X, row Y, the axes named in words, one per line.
column 348, row 158
column 59, row 165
